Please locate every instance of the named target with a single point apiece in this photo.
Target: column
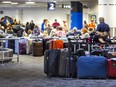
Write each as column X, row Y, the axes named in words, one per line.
column 19, row 15
column 76, row 14
column 107, row 9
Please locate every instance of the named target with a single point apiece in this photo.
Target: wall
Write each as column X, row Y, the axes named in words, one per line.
column 38, row 14
column 11, row 13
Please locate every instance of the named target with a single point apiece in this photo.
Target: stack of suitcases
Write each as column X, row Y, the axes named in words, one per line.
column 73, row 62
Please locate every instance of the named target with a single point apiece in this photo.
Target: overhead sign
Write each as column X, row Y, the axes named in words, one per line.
column 66, row 6
column 51, row 6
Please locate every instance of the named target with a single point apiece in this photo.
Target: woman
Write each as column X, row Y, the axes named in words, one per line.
column 84, row 33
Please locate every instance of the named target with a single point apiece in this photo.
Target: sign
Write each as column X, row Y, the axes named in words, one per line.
column 51, row 6
column 66, row 6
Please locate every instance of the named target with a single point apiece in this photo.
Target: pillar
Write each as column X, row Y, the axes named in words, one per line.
column 76, row 14
column 107, row 9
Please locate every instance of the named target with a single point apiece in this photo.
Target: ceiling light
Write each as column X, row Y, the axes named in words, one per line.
column 14, row 3
column 6, row 2
column 30, row 2
column 54, row 1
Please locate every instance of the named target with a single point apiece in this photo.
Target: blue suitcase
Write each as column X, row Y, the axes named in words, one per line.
column 92, row 67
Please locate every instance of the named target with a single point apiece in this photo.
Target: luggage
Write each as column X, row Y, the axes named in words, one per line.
column 11, row 44
column 112, row 67
column 63, row 63
column 99, row 52
column 22, row 46
column 37, row 48
column 72, row 47
column 92, row 67
column 51, row 62
column 45, row 44
column 67, row 66
column 80, row 52
column 56, row 44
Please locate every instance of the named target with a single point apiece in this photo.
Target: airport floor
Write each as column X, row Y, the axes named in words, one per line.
column 29, row 73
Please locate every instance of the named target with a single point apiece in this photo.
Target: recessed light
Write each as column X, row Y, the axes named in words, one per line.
column 54, row 1
column 6, row 2
column 30, row 2
column 14, row 3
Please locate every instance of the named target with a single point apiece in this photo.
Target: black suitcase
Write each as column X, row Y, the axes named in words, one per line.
column 11, row 44
column 100, row 52
column 51, row 62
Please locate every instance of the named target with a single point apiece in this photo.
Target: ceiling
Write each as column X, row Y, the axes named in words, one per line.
column 42, row 3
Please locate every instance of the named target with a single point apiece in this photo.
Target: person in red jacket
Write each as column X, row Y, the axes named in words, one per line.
column 55, row 24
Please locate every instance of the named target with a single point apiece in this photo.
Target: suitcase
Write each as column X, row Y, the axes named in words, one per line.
column 51, row 62
column 22, row 48
column 45, row 44
column 56, row 44
column 11, row 44
column 112, row 68
column 92, row 67
column 67, row 67
column 99, row 52
column 37, row 48
column 63, row 63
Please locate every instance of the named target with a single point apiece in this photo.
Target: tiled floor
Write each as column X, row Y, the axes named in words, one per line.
column 29, row 73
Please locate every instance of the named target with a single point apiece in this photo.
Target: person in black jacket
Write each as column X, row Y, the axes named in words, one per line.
column 32, row 25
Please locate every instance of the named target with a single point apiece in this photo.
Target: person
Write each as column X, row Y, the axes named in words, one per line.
column 32, row 25
column 48, row 29
column 85, row 25
column 92, row 24
column 55, row 24
column 100, row 37
column 27, row 27
column 44, row 25
column 60, row 32
column 36, row 30
column 65, row 27
column 1, row 30
column 84, row 33
column 103, row 27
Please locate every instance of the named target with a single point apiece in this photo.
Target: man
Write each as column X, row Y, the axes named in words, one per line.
column 55, row 24
column 92, row 24
column 103, row 27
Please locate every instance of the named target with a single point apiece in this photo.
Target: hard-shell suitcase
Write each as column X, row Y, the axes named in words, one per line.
column 112, row 68
column 92, row 67
column 45, row 45
column 51, row 62
column 37, row 48
column 63, row 63
column 56, row 44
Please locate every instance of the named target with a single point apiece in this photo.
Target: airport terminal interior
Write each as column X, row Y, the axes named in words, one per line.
column 57, row 43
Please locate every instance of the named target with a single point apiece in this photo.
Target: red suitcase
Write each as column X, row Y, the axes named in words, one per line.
column 112, row 67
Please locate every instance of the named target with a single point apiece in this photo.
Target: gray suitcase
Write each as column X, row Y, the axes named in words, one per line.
column 63, row 64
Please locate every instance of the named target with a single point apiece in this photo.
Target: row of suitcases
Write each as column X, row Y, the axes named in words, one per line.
column 36, row 47
column 58, row 63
